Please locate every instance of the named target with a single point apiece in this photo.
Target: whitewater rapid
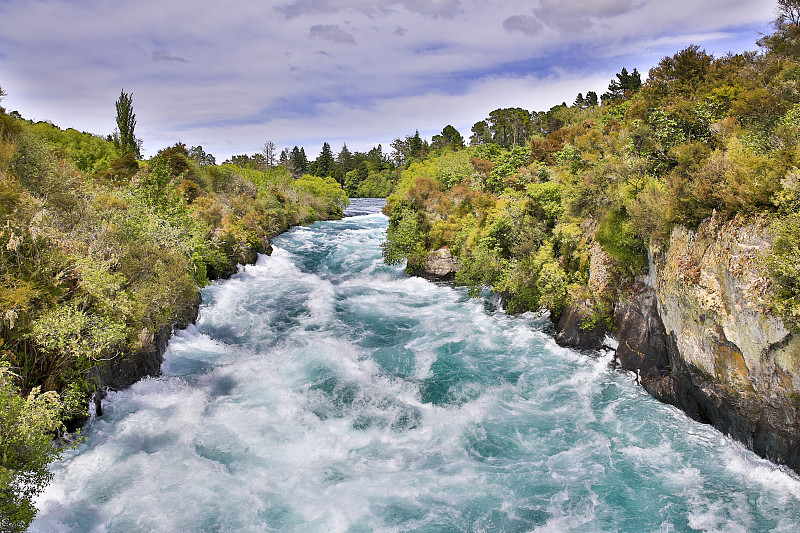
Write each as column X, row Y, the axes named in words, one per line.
column 322, row 390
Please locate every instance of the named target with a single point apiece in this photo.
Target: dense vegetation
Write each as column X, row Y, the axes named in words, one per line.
column 98, row 248
column 522, row 207
column 370, row 174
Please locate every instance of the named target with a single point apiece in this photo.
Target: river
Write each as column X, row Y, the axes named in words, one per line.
column 322, row 390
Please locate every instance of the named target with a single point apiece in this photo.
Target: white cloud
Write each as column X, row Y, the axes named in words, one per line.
column 309, row 70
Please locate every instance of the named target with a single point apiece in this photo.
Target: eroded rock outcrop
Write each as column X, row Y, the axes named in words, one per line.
column 741, row 365
column 440, row 266
column 699, row 333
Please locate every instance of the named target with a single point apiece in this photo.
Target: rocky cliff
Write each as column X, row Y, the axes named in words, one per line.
column 699, row 333
column 740, row 363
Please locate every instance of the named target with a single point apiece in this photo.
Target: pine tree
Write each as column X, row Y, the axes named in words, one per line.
column 294, row 162
column 345, row 159
column 449, row 138
column 325, row 164
column 415, row 146
column 624, row 85
column 303, row 161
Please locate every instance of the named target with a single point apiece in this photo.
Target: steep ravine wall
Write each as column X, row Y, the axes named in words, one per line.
column 699, row 333
column 741, row 363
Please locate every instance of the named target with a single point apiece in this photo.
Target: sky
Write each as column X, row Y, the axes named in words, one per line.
column 231, row 75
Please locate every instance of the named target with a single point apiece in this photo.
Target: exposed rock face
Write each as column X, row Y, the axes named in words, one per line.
column 699, row 333
column 739, row 362
column 573, row 330
column 441, row 266
column 642, row 340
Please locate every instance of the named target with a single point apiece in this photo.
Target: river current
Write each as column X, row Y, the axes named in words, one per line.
column 322, row 390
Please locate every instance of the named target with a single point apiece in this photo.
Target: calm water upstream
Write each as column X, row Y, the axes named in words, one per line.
column 322, row 390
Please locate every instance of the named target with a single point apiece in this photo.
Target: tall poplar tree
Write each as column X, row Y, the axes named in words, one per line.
column 126, row 122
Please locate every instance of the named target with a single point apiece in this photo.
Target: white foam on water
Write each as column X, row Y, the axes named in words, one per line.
column 324, row 391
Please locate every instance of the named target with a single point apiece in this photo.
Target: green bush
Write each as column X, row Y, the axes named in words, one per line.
column 783, row 259
column 27, row 426
column 406, row 236
column 620, row 240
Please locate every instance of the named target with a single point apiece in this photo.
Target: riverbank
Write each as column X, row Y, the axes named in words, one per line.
column 121, row 372
column 697, row 331
column 700, row 332
column 322, row 390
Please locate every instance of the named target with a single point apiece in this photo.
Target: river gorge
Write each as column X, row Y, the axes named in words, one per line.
column 321, row 390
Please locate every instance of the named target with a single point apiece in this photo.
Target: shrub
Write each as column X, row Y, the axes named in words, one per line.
column 406, row 236
column 619, row 239
column 27, row 426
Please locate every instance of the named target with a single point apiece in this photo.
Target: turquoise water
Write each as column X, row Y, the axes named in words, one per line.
column 322, row 390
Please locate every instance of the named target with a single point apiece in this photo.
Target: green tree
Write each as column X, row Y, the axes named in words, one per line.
column 345, row 159
column 449, row 138
column 480, row 134
column 625, row 85
column 377, row 160
column 124, row 137
column 27, row 426
column 681, row 74
column 298, row 163
column 199, row 156
column 785, row 42
column 415, row 145
column 412, row 147
column 510, row 127
column 325, row 165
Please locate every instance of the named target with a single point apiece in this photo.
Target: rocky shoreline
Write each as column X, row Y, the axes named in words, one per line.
column 698, row 333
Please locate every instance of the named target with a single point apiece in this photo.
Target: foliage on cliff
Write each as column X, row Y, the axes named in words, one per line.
column 97, row 249
column 536, row 190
